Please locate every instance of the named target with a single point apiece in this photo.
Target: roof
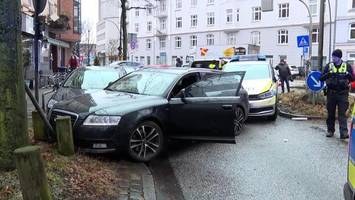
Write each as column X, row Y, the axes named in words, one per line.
column 178, row 70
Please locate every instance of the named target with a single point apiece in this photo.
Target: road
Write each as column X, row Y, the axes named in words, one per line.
column 272, row 160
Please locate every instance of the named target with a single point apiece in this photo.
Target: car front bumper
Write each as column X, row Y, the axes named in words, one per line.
column 263, row 107
column 348, row 193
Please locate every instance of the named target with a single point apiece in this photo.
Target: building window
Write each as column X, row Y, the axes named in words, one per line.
column 148, row 60
column 157, row 60
column 193, row 41
column 137, row 13
column 352, row 31
column 149, row 26
column 136, row 27
column 237, row 15
column 256, row 14
column 179, row 22
column 231, row 39
column 149, row 11
column 210, row 1
column 149, row 43
column 313, row 6
column 162, row 24
column 177, row 42
column 315, row 33
column 284, row 10
column 210, row 18
column 142, row 60
column 178, row 4
column 210, row 39
column 282, row 36
column 229, row 15
column 77, row 16
column 162, row 43
column 163, row 5
column 255, row 37
column 193, row 20
column 353, row 4
column 193, row 3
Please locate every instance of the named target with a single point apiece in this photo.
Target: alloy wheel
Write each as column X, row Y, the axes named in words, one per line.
column 238, row 121
column 145, row 142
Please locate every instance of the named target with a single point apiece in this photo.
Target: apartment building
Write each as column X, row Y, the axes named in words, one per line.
column 180, row 28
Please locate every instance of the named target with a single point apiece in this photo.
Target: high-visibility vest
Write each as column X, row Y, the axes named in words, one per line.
column 212, row 66
column 341, row 69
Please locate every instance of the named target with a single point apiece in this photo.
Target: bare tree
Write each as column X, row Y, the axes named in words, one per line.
column 112, row 49
column 87, row 40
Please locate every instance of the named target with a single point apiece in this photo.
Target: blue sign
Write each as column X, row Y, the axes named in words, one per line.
column 303, row 41
column 313, row 81
column 305, row 50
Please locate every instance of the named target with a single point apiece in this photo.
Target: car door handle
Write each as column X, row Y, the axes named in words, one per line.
column 227, row 107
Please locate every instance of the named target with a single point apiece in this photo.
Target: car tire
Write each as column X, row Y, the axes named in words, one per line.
column 145, row 142
column 238, row 121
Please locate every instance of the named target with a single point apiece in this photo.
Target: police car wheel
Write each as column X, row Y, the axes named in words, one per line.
column 238, row 121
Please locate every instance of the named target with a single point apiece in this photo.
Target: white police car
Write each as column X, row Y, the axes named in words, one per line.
column 259, row 82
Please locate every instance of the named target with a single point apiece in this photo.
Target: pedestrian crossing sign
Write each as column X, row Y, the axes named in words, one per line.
column 303, row 41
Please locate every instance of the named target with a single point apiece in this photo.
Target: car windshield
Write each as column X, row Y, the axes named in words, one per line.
column 152, row 83
column 92, row 79
column 253, row 71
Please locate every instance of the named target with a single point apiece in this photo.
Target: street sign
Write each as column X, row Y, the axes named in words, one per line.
column 303, row 41
column 133, row 45
column 313, row 81
column 305, row 50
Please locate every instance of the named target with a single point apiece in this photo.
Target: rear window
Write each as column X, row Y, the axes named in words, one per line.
column 253, row 71
column 204, row 63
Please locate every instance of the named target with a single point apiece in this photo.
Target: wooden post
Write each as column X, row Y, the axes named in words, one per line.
column 31, row 173
column 64, row 136
column 38, row 127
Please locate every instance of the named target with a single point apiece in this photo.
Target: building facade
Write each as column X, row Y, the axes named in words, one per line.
column 181, row 28
column 108, row 30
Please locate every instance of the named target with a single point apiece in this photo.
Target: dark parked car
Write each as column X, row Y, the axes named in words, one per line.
column 140, row 111
column 83, row 80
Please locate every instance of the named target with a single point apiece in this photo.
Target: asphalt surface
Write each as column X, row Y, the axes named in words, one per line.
column 272, row 160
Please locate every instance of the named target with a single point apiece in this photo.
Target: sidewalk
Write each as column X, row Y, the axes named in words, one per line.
column 135, row 179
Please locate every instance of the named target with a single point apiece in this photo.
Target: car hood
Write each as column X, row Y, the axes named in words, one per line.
column 254, row 87
column 67, row 93
column 104, row 102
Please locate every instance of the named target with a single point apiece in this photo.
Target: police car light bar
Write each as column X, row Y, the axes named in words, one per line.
column 257, row 57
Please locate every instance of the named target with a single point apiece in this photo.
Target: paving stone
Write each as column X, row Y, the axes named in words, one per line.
column 135, row 176
column 123, row 183
column 135, row 195
column 123, row 197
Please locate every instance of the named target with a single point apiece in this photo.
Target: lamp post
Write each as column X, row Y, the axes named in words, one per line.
column 310, row 28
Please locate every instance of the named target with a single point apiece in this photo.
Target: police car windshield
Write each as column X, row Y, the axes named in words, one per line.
column 253, row 70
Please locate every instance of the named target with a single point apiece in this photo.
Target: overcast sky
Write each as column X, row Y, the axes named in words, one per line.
column 89, row 14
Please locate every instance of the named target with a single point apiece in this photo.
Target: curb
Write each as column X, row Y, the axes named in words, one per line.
column 298, row 117
column 148, row 183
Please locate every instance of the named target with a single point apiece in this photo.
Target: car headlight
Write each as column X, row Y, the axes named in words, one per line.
column 99, row 120
column 51, row 102
column 267, row 94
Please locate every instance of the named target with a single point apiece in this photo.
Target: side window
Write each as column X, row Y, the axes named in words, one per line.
column 215, row 85
column 185, row 82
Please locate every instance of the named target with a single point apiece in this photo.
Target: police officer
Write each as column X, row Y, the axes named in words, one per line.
column 337, row 75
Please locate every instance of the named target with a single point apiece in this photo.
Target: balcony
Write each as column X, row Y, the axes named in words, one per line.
column 60, row 25
column 161, row 13
column 161, row 33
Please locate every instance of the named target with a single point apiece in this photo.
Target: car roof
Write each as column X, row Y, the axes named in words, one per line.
column 178, row 70
column 101, row 68
column 251, row 62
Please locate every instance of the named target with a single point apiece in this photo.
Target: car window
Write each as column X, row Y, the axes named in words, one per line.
column 145, row 82
column 216, row 85
column 92, row 79
column 204, row 63
column 184, row 82
column 253, row 71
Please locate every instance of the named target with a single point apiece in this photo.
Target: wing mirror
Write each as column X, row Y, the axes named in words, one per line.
column 183, row 95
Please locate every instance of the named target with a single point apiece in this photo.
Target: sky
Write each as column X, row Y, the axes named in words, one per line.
column 89, row 14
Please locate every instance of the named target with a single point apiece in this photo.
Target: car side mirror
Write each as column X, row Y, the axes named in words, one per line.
column 183, row 95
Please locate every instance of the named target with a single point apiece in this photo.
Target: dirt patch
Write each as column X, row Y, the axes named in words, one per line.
column 77, row 177
column 300, row 102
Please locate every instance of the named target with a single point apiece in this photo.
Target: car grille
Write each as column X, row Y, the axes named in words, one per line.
column 254, row 97
column 257, row 110
column 56, row 113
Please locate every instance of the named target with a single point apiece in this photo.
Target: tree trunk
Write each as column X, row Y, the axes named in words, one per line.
column 13, row 115
column 33, row 179
column 124, row 28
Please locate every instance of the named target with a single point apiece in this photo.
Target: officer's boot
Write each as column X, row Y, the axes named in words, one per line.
column 330, row 134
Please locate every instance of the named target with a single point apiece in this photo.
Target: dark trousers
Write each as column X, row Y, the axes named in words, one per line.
column 340, row 100
column 283, row 81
